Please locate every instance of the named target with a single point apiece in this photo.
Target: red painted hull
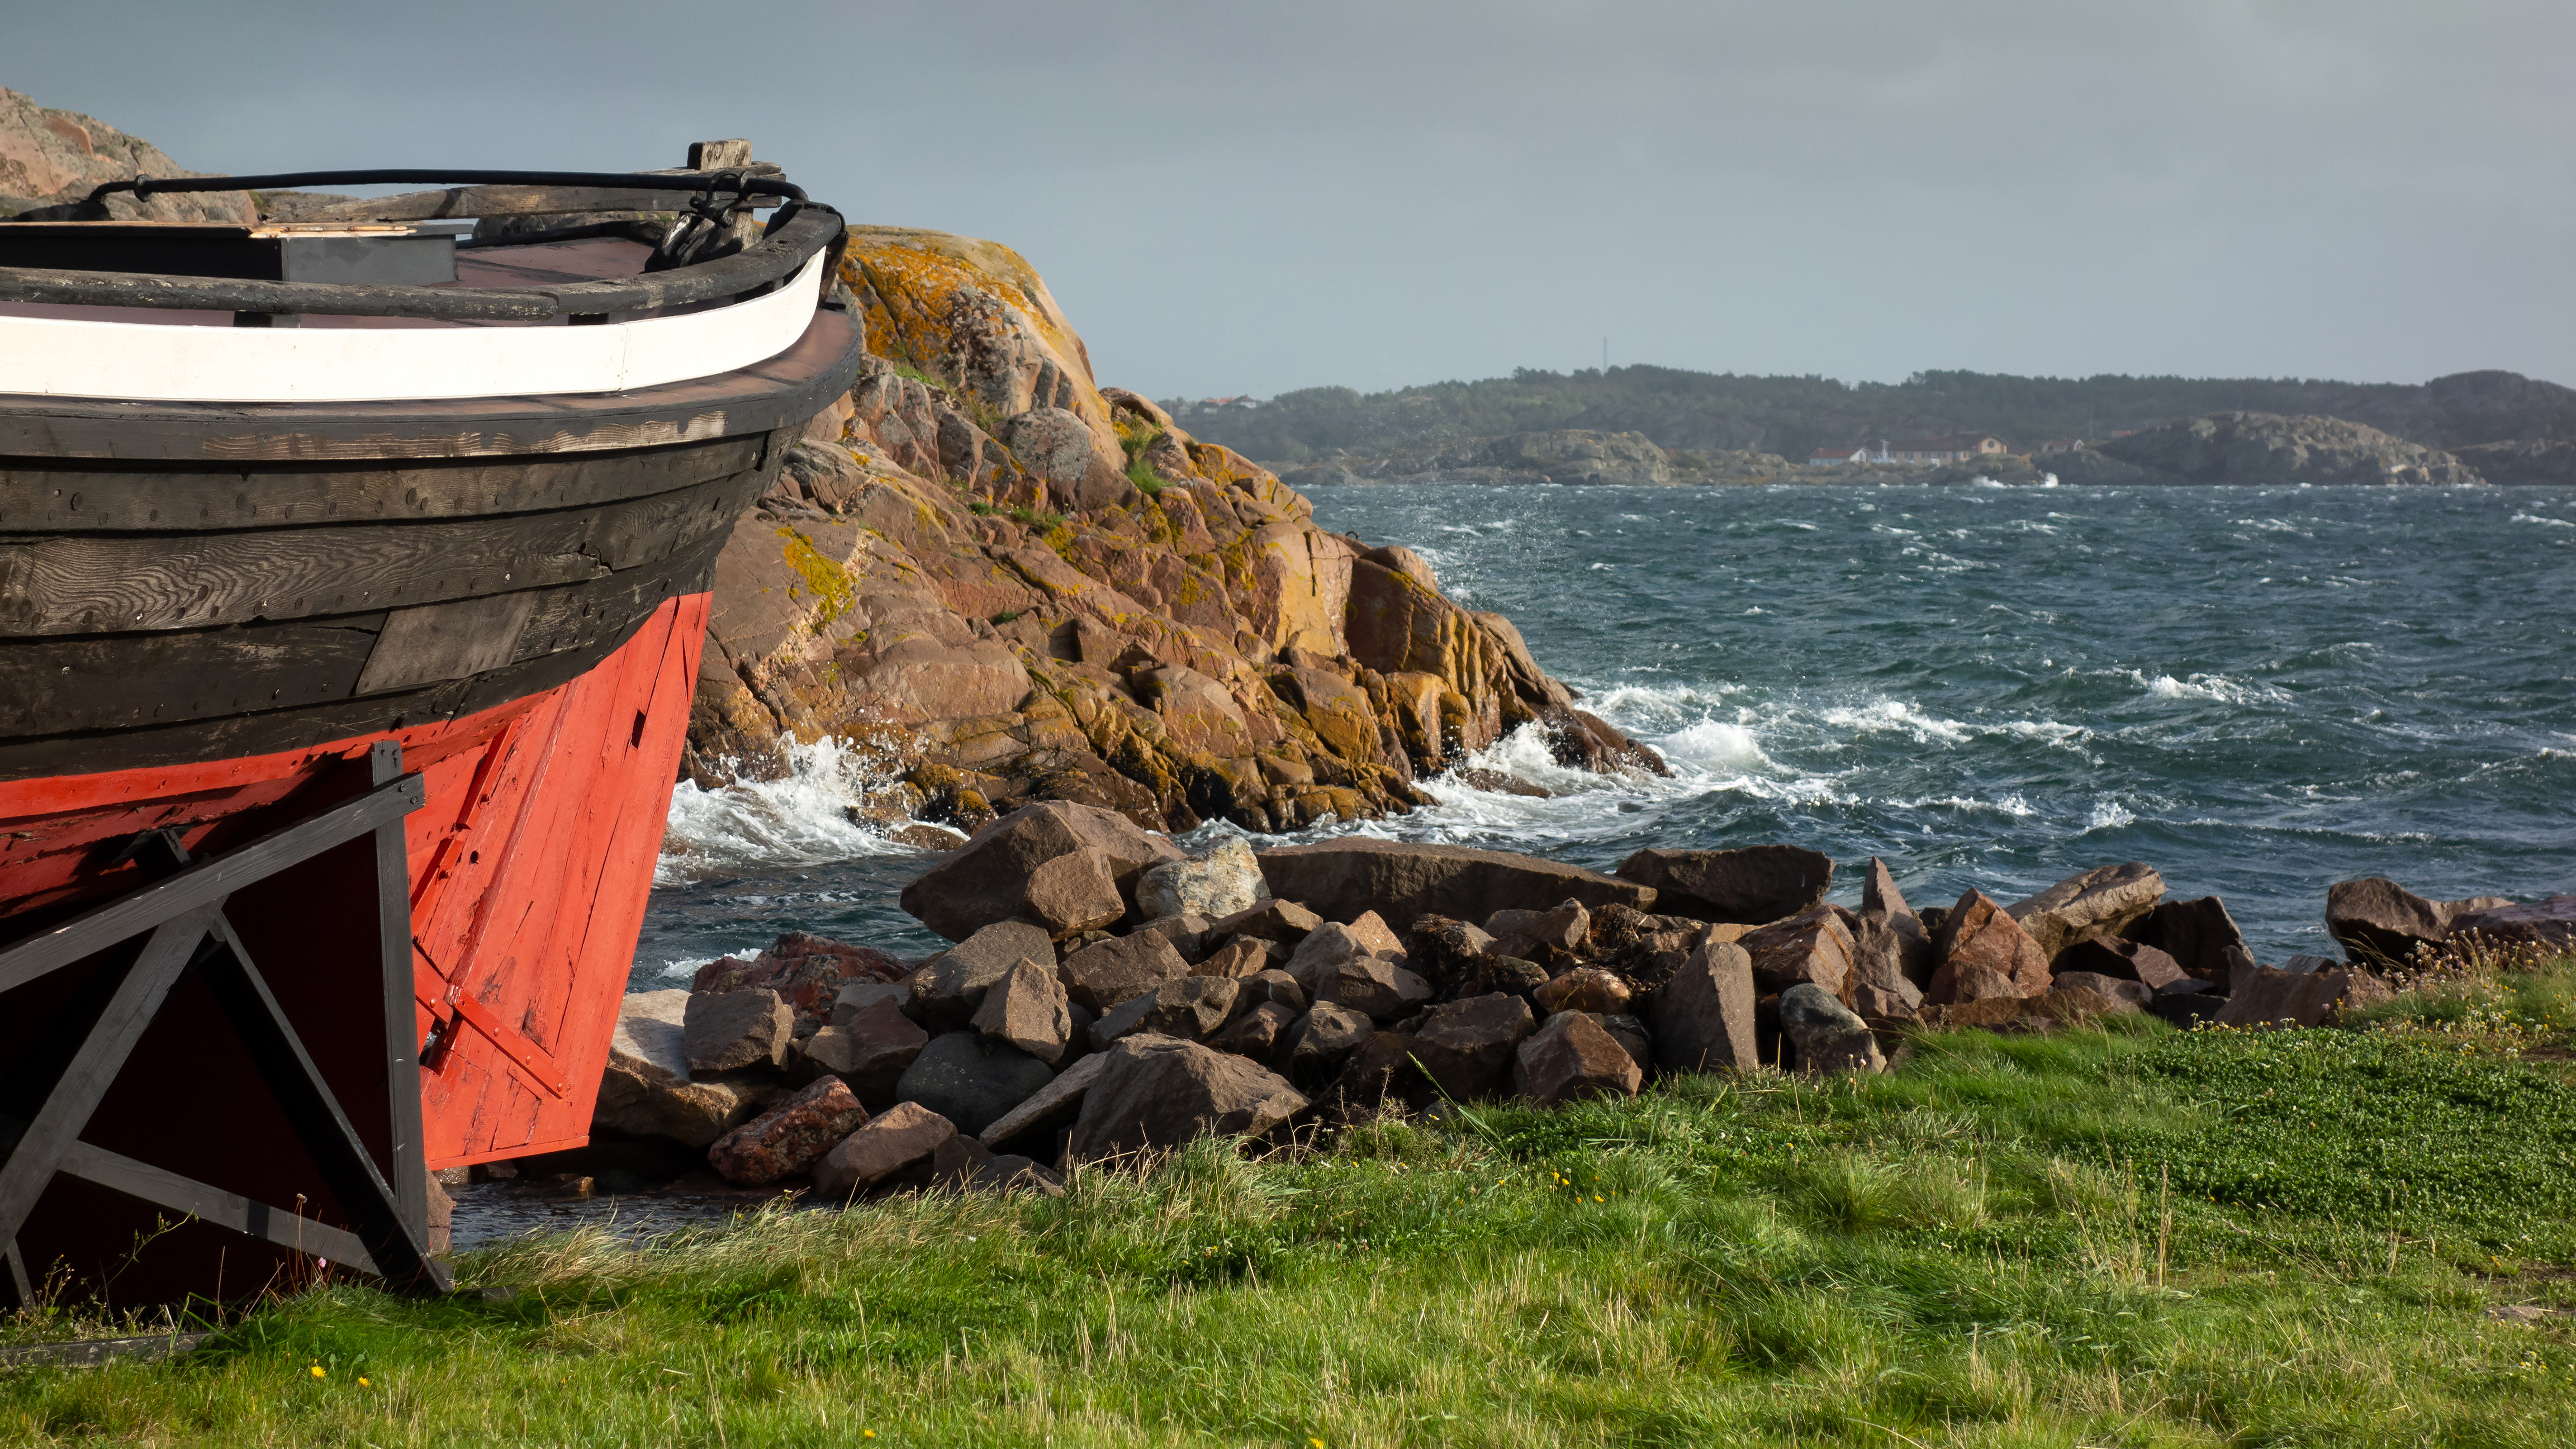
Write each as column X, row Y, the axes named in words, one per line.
column 530, row 868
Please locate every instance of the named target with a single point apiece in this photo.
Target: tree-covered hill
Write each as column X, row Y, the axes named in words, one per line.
column 1790, row 415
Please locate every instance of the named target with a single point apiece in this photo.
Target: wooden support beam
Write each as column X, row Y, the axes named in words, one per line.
column 393, row 970
column 190, row 1198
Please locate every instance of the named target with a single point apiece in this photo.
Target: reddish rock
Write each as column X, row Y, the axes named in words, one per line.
column 2124, row 995
column 1882, row 987
column 2201, row 938
column 893, row 1140
column 1239, row 957
column 1750, row 886
column 2122, row 960
column 1272, row 985
column 1374, row 986
column 2102, row 900
column 1257, row 1033
column 1466, row 1047
column 947, row 991
column 1381, row 1069
column 790, row 1137
column 1403, row 881
column 1812, row 946
column 1051, row 1107
column 1323, row 953
column 1072, row 894
column 2317, row 998
column 1584, row 989
column 1273, row 920
column 992, row 876
column 1704, row 1014
column 1979, row 935
column 1319, row 1042
column 1550, row 937
column 1154, row 1094
column 1188, row 935
column 1442, row 949
column 1570, row 1057
column 1027, row 1008
column 2550, row 923
column 1190, row 1008
column 2378, row 920
column 1101, row 976
column 1370, row 930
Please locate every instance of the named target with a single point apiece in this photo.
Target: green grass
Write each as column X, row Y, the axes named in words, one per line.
column 2129, row 1238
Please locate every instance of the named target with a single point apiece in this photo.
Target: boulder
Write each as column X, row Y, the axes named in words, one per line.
column 1102, row 975
column 990, row 878
column 947, row 991
column 646, row 1090
column 1441, row 949
column 1370, row 930
column 1630, row 1034
column 1072, row 894
column 1257, row 1033
column 1882, row 987
column 2378, row 921
column 1242, row 956
column 1509, row 975
column 882, row 1042
column 1223, row 882
column 727, row 1031
column 1881, row 902
column 1704, row 1016
column 2549, row 923
column 2317, row 998
column 1317, row 1043
column 1648, row 949
column 1584, row 989
column 1570, row 1056
column 2201, row 938
column 1272, row 985
column 1190, row 1008
column 1750, row 886
column 1323, row 953
column 1383, row 1068
column 888, row 1143
column 1827, row 1036
column 1550, row 937
column 1812, row 946
column 790, row 1137
column 1466, row 1047
column 1048, row 1109
column 1154, row 1094
column 2120, row 959
column 971, row 1081
column 1188, row 935
column 1027, row 1009
column 1979, row 938
column 1404, row 881
column 1374, row 986
column 2123, row 994
column 1273, row 920
column 2101, row 900
column 857, row 996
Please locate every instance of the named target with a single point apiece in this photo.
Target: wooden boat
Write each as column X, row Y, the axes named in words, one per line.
column 348, row 632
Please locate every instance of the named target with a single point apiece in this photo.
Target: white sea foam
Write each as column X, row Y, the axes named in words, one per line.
column 2108, row 814
column 2550, row 522
column 802, row 819
column 2205, row 686
column 1897, row 715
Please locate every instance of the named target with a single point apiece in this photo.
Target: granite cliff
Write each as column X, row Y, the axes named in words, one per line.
column 2243, row 447
column 53, row 157
column 1007, row 583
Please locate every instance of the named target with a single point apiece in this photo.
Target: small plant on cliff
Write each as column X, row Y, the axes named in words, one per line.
column 1139, row 472
column 1043, row 522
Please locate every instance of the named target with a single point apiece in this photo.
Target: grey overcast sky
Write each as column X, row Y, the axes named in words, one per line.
column 1251, row 198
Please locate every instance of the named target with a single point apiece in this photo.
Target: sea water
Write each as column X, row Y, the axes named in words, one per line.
column 2257, row 691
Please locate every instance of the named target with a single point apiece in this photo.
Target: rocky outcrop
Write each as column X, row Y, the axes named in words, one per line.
column 2539, row 462
column 53, row 158
column 1006, row 583
column 2261, row 448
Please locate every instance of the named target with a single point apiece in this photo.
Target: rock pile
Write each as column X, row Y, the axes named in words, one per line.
column 1108, row 995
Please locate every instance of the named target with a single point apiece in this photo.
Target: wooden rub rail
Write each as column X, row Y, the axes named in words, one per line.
column 54, row 1090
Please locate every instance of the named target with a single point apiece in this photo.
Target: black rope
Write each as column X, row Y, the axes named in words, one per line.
column 742, row 183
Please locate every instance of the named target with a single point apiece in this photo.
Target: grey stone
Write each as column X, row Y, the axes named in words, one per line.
column 946, row 991
column 1829, row 1036
column 727, row 1031
column 2549, row 923
column 1273, row 920
column 1376, row 987
column 882, row 1041
column 1256, row 1034
column 888, row 1143
column 1318, row 1043
column 857, row 996
column 2136, row 993
column 1121, row 969
column 2104, row 899
column 1322, row 953
column 1190, row 1008
column 647, row 1091
column 2379, row 922
column 1466, row 1047
column 1704, row 1015
column 1188, row 934
column 1155, row 1094
column 1051, row 1106
column 1404, row 880
column 1276, row 986
column 990, row 877
column 1550, row 937
column 1749, row 886
column 971, row 1081
column 1224, row 881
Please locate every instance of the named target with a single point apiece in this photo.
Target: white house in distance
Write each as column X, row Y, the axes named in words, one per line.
column 1939, row 448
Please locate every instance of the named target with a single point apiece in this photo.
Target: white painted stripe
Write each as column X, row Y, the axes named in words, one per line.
column 52, row 357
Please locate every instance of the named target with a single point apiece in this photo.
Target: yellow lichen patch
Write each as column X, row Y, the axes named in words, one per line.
column 834, row 590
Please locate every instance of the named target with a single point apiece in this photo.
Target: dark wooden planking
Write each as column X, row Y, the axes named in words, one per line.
column 481, row 201
column 98, row 583
column 782, row 391
column 773, row 259
column 88, row 498
column 580, row 645
column 430, row 643
column 54, row 686
column 187, row 1196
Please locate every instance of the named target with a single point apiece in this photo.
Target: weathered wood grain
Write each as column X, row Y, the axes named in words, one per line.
column 99, row 583
column 89, row 498
column 430, row 643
